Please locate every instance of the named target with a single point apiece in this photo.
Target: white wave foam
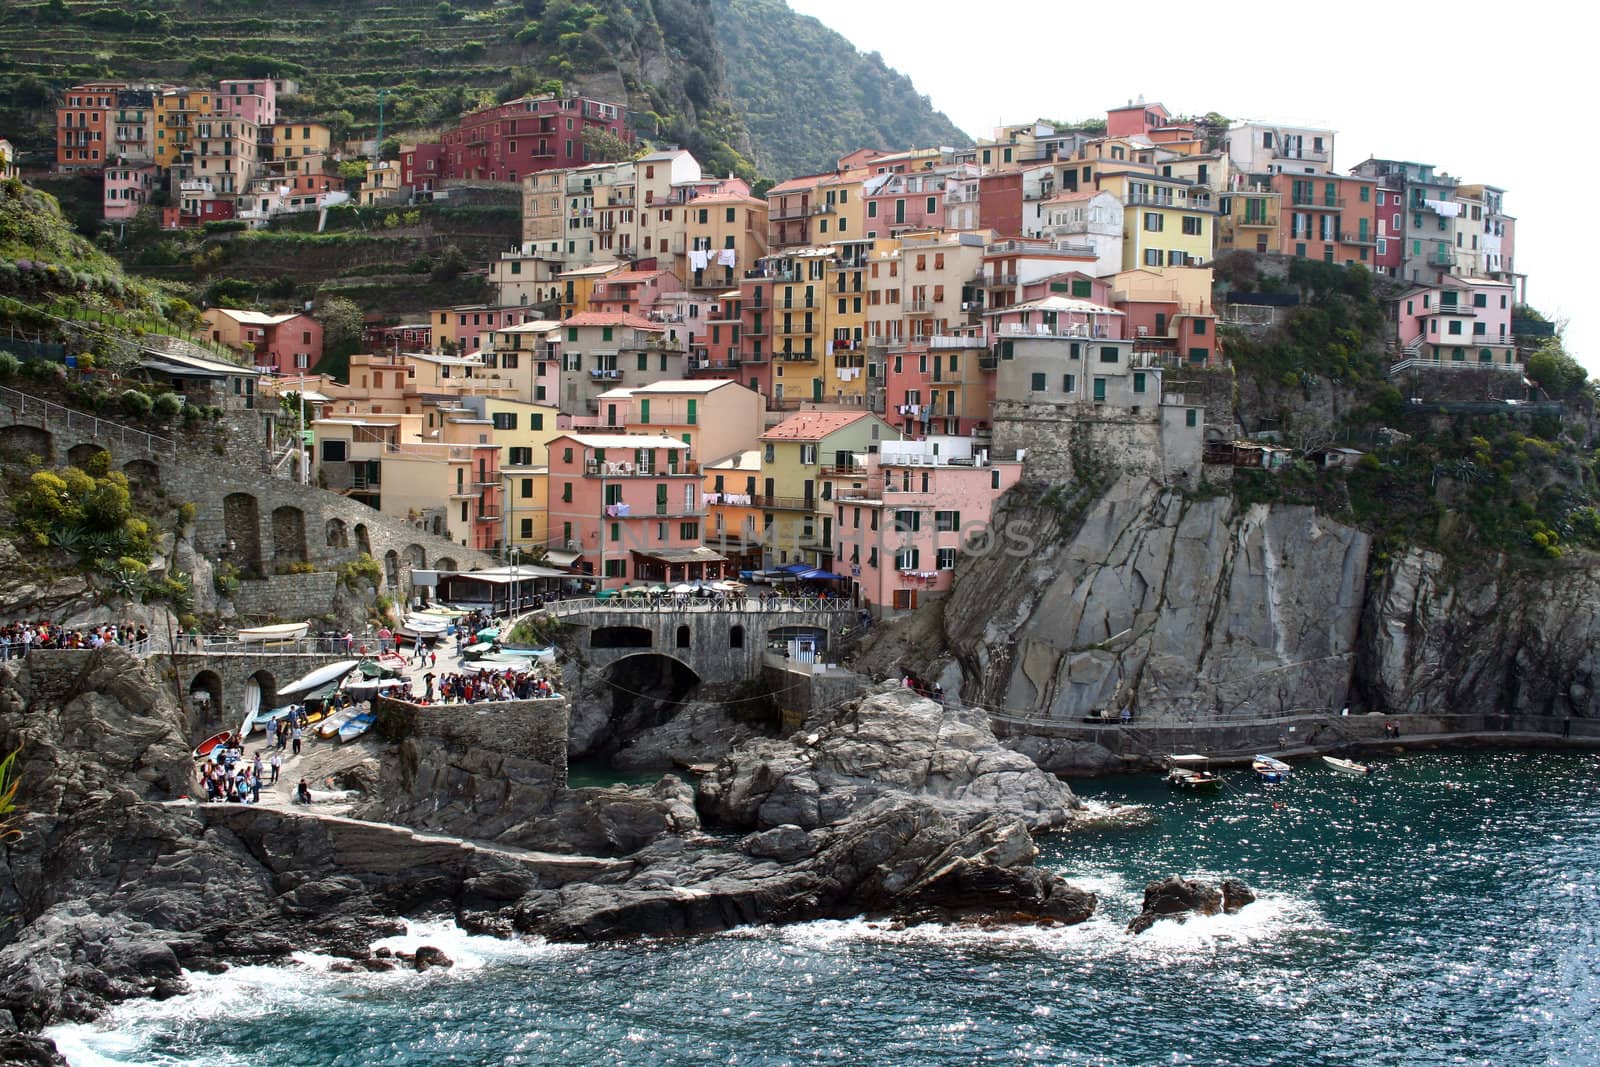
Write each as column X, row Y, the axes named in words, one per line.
column 121, row 1036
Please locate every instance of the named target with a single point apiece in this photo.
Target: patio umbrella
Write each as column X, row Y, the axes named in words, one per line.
column 683, row 588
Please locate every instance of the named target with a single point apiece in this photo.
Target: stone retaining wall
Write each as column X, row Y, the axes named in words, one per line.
column 531, row 730
column 288, row 596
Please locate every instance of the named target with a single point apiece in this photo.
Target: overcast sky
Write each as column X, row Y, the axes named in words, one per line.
column 1488, row 93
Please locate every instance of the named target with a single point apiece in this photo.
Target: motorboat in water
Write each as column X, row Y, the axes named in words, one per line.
column 1347, row 766
column 1270, row 768
column 1192, row 771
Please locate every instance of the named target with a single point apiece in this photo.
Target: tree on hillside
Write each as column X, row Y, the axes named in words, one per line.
column 1556, row 371
column 341, row 327
column 606, row 147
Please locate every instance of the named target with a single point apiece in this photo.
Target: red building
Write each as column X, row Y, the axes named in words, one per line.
column 421, row 166
column 1000, row 203
column 83, row 122
column 507, row 142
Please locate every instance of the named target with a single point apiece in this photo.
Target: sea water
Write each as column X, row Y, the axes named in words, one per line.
column 1444, row 910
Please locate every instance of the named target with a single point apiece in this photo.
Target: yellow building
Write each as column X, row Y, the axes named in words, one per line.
column 1248, row 219
column 175, row 112
column 577, row 286
column 1167, row 222
column 797, row 457
column 300, row 146
column 733, row 519
column 382, row 184
column 522, row 430
column 527, row 509
column 724, row 233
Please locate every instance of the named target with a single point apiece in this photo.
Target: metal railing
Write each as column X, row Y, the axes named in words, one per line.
column 725, row 603
column 25, row 404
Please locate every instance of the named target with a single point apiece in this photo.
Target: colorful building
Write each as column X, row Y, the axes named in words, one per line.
column 127, row 188
column 278, row 344
column 83, row 125
column 1458, row 323
column 904, row 516
column 509, row 141
column 799, row 457
column 630, row 506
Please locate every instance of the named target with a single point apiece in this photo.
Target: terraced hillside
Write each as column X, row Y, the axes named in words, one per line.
column 433, row 58
column 437, row 58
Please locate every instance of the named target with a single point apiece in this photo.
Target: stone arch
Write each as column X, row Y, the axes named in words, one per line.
column 338, row 534
column 81, row 455
column 416, row 557
column 445, row 563
column 363, row 539
column 624, row 665
column 205, row 696
column 683, row 637
column 241, row 521
column 28, row 441
column 736, row 637
column 621, row 637
column 288, row 534
column 268, row 684
column 647, row 689
column 391, row 568
column 142, row 473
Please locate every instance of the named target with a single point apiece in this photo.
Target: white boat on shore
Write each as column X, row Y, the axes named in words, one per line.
column 1270, row 768
column 1347, row 766
column 283, row 631
column 320, row 677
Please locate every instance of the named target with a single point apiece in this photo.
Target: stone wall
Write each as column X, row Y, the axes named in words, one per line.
column 287, row 596
column 1061, row 438
column 531, row 730
column 719, row 645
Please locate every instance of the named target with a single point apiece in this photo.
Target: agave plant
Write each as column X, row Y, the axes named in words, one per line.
column 66, row 538
column 10, row 781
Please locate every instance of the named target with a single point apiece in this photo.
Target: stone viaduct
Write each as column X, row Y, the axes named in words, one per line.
column 716, row 641
column 245, row 515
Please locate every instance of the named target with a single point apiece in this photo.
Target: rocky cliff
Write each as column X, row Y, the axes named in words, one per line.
column 1186, row 608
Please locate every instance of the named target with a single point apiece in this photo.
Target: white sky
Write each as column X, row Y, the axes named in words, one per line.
column 1488, row 93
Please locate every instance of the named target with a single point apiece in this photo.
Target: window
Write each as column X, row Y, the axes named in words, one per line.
column 526, row 529
column 907, row 521
column 689, row 531
column 1099, row 390
column 1480, row 300
column 947, row 559
column 1069, row 383
column 1153, row 222
column 946, row 521
column 1037, row 383
column 505, row 420
column 1366, row 194
column 808, row 454
column 566, row 492
column 1082, row 288
column 1191, row 417
column 767, row 454
column 1192, row 225
column 526, row 488
column 1109, row 354
column 907, row 560
column 1138, row 381
column 1199, row 327
column 1152, row 257
column 616, row 568
column 333, row 451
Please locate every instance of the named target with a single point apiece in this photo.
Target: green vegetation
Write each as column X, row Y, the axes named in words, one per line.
column 1335, row 332
column 10, row 782
column 809, row 97
column 359, row 572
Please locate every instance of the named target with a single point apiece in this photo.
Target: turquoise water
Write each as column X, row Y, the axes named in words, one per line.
column 1444, row 911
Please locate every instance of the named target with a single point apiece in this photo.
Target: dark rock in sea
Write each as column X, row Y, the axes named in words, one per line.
column 1177, row 898
column 376, row 966
column 427, row 957
column 21, row 1050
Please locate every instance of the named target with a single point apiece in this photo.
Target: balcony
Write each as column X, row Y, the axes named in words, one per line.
column 802, row 305
column 916, row 307
column 798, row 357
column 796, row 330
column 783, row 503
column 844, row 472
column 1326, row 203
column 988, row 362
column 1269, row 222
column 489, row 515
column 1445, row 260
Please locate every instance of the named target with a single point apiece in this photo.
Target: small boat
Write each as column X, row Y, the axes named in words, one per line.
column 1347, row 766
column 320, row 677
column 392, row 662
column 545, row 654
column 1270, row 768
column 356, row 726
column 284, row 631
column 264, row 720
column 330, row 727
column 204, row 749
column 479, row 649
column 1192, row 771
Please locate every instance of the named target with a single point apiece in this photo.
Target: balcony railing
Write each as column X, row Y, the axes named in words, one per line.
column 798, row 357
column 844, row 472
column 916, row 307
column 1441, row 259
column 1269, row 221
column 1324, row 202
column 783, row 503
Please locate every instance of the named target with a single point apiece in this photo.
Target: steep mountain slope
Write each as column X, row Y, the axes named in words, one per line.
column 809, row 96
column 433, row 59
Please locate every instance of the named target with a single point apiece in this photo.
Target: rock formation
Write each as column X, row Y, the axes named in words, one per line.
column 1175, row 899
column 891, row 744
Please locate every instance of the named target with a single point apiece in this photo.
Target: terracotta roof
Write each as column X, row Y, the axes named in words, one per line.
column 1081, row 194
column 613, row 318
column 811, row 425
column 634, row 276
column 800, row 184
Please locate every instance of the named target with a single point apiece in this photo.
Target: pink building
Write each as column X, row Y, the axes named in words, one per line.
column 635, row 292
column 903, row 520
column 630, row 506
column 468, row 326
column 127, row 189
column 278, row 344
column 1459, row 322
column 255, row 100
column 902, row 203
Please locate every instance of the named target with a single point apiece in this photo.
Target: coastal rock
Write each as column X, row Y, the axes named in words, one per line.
column 698, row 733
column 1177, row 898
column 911, row 858
column 892, row 743
column 428, row 957
column 22, row 1050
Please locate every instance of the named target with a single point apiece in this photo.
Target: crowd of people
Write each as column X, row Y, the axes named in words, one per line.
column 227, row 776
column 462, row 688
column 17, row 638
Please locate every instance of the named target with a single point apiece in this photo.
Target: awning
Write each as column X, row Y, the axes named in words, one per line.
column 814, row 575
column 561, row 557
column 682, row 555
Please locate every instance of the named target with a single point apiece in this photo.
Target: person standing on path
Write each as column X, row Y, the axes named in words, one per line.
column 296, row 735
column 277, row 764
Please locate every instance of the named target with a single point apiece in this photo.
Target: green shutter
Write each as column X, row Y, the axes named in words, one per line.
column 644, row 410
column 691, row 411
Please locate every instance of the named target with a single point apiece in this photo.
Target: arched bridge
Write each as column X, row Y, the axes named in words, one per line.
column 719, row 640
